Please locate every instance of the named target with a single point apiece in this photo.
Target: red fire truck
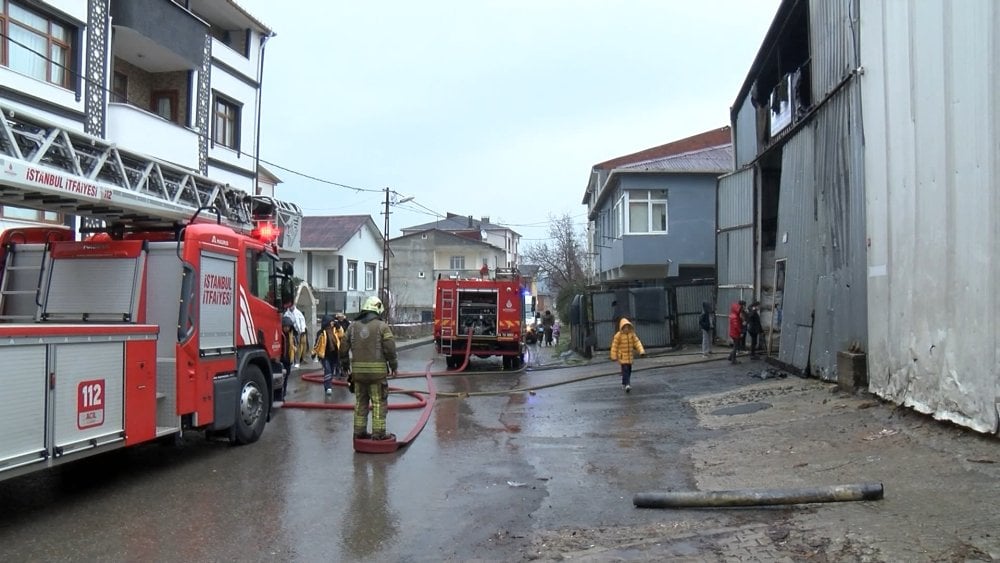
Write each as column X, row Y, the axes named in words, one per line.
column 491, row 309
column 164, row 318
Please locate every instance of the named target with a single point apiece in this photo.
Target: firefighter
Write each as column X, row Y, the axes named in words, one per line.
column 372, row 351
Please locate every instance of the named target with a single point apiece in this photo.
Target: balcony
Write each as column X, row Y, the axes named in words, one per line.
column 141, row 131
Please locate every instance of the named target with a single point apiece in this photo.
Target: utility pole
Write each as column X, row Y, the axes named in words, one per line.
column 384, row 288
column 384, row 293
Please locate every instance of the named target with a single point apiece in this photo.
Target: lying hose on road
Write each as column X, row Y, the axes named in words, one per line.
column 758, row 497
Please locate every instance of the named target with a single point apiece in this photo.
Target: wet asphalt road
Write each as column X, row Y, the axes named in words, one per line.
column 486, row 472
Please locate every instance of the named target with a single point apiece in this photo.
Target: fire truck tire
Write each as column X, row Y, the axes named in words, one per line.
column 251, row 406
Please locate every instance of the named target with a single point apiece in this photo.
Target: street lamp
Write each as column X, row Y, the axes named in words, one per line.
column 384, row 291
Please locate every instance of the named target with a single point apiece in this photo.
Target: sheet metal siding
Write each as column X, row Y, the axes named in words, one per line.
column 932, row 127
column 745, row 134
column 798, row 242
column 689, row 300
column 833, row 38
column 840, row 309
column 735, row 239
column 735, row 199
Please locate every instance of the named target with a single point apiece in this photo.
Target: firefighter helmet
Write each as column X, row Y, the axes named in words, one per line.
column 373, row 304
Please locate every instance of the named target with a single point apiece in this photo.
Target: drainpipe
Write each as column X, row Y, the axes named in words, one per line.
column 260, row 95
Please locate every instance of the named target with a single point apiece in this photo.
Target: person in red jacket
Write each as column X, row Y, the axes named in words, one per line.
column 736, row 328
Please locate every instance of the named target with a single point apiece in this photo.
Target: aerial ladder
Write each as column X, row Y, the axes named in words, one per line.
column 49, row 167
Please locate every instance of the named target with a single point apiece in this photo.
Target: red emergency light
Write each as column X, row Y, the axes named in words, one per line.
column 266, row 232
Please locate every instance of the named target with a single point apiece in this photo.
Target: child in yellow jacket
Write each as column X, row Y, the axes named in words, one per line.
column 622, row 346
column 327, row 349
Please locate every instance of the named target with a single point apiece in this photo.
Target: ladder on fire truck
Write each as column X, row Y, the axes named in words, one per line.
column 447, row 320
column 48, row 167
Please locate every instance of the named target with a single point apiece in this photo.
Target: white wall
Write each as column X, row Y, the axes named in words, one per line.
column 931, row 97
column 140, row 131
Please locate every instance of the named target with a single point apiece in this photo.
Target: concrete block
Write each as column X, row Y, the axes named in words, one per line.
column 852, row 370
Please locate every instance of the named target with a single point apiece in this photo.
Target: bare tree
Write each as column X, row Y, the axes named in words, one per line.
column 561, row 260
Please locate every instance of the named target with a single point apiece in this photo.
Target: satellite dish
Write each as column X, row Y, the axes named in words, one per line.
column 482, row 233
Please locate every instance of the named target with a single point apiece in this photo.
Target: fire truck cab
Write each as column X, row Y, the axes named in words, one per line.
column 489, row 311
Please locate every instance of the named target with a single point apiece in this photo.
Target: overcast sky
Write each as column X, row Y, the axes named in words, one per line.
column 489, row 108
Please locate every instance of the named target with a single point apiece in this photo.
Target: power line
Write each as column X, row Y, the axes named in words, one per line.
column 204, row 135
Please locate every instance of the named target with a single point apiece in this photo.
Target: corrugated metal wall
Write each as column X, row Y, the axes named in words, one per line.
column 689, row 300
column 833, row 42
column 652, row 333
column 745, row 134
column 841, row 296
column 932, row 131
column 798, row 242
column 734, row 244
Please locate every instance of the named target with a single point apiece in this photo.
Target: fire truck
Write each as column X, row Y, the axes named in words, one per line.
column 164, row 318
column 489, row 309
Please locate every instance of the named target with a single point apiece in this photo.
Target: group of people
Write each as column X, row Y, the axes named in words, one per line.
column 363, row 352
column 743, row 321
column 549, row 330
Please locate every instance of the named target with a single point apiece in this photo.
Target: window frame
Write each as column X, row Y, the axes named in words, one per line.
column 172, row 95
column 331, row 278
column 649, row 202
column 39, row 217
column 352, row 275
column 456, row 263
column 119, row 87
column 233, row 117
column 66, row 67
column 370, row 270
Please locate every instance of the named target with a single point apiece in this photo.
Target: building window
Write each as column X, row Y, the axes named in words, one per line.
column 617, row 218
column 22, row 214
column 369, row 276
column 352, row 275
column 119, row 88
column 647, row 211
column 164, row 104
column 35, row 44
column 226, row 123
column 457, row 263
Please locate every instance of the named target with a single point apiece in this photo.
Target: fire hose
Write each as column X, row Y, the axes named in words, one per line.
column 759, row 497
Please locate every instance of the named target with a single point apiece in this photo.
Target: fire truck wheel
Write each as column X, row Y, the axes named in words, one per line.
column 251, row 414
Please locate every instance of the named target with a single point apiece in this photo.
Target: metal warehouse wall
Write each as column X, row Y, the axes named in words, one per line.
column 932, row 124
column 833, row 37
column 734, row 243
column 745, row 134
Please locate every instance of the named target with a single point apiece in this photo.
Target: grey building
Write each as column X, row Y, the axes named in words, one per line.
column 651, row 234
column 865, row 144
column 791, row 218
column 476, row 229
column 419, row 257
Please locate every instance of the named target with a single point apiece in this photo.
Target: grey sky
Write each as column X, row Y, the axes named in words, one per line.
column 489, row 108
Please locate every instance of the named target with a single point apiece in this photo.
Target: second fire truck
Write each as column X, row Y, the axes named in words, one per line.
column 490, row 311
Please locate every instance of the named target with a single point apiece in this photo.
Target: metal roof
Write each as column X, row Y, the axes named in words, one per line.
column 333, row 232
column 717, row 160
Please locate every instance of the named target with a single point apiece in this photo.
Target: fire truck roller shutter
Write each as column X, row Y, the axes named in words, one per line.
column 217, row 304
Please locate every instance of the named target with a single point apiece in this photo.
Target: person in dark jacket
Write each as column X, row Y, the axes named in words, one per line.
column 548, row 322
column 736, row 329
column 754, row 328
column 372, row 351
column 705, row 322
